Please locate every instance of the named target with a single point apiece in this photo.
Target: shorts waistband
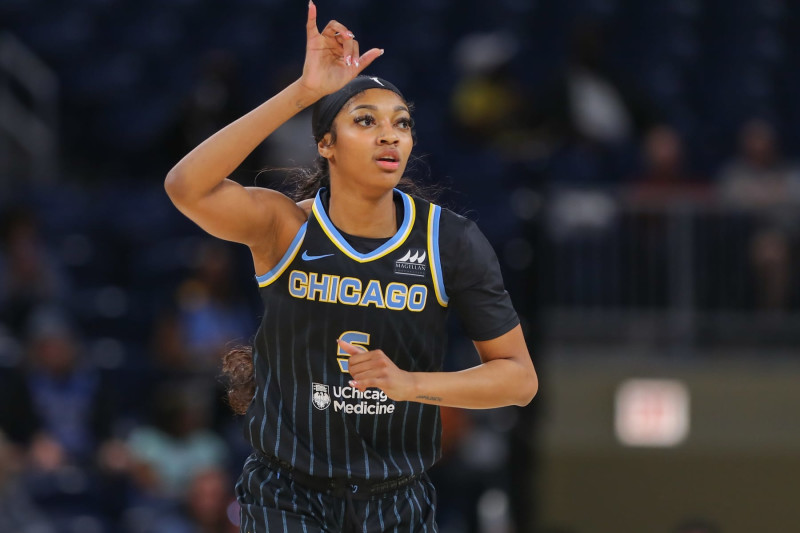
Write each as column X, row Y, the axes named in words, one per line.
column 357, row 488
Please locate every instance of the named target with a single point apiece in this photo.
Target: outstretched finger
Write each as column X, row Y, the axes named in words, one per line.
column 311, row 23
column 368, row 57
column 349, row 348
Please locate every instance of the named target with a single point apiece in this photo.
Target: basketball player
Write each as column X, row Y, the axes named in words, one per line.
column 356, row 279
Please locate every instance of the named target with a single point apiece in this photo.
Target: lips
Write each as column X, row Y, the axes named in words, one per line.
column 388, row 155
column 388, row 159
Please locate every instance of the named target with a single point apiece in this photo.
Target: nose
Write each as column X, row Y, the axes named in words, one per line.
column 387, row 134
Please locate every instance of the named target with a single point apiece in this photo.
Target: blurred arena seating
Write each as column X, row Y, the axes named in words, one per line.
column 125, row 66
column 594, row 255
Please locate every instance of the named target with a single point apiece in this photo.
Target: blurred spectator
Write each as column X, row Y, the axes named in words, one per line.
column 665, row 178
column 759, row 177
column 214, row 101
column 60, row 411
column 590, row 115
column 29, row 275
column 291, row 145
column 488, row 105
column 176, row 444
column 208, row 507
column 665, row 182
column 18, row 514
column 761, row 182
column 474, row 454
column 57, row 404
column 210, row 312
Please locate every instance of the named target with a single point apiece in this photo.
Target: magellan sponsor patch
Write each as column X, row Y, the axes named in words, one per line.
column 412, row 263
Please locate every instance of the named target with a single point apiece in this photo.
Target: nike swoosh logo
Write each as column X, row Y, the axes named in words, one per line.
column 307, row 257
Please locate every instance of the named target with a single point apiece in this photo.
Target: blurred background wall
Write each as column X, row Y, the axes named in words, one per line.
column 632, row 162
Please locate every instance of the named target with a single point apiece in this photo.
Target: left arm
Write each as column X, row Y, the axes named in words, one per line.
column 505, row 377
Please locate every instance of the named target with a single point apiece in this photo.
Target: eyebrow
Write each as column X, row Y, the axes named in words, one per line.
column 375, row 108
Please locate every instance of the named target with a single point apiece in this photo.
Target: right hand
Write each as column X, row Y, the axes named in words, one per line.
column 326, row 68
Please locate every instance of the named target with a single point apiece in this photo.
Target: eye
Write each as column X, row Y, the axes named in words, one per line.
column 365, row 120
column 405, row 123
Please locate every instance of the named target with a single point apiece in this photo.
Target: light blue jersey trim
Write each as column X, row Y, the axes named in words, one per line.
column 433, row 252
column 287, row 258
column 393, row 243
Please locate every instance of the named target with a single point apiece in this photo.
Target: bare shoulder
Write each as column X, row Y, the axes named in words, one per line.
column 306, row 205
column 282, row 219
column 277, row 206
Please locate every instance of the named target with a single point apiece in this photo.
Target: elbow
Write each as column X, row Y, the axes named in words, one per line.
column 175, row 185
column 528, row 390
column 172, row 183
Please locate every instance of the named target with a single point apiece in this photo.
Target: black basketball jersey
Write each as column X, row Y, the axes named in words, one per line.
column 393, row 298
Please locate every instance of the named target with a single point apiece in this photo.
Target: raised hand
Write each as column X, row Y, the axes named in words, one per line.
column 375, row 369
column 332, row 56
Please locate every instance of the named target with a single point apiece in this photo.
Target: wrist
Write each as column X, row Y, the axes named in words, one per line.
column 413, row 386
column 304, row 95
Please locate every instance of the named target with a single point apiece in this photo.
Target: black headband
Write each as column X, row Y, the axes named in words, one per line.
column 327, row 107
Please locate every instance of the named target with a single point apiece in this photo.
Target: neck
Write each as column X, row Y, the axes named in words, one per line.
column 363, row 216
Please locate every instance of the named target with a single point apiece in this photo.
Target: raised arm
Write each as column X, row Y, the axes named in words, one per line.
column 505, row 377
column 198, row 184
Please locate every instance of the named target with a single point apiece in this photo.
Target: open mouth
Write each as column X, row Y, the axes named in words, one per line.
column 388, row 163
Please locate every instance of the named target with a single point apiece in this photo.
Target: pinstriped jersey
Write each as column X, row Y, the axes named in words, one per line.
column 392, row 298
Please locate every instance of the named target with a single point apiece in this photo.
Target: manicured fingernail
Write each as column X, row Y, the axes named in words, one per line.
column 353, row 383
column 381, row 51
column 356, row 62
column 348, row 60
column 351, row 35
column 335, row 34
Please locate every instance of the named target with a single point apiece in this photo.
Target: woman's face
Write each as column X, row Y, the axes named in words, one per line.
column 373, row 140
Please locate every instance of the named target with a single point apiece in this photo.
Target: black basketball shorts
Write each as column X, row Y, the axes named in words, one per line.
column 272, row 501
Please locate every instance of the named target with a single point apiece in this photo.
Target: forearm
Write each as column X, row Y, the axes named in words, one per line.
column 495, row 383
column 506, row 376
column 205, row 167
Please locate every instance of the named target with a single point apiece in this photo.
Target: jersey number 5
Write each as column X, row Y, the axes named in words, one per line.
column 359, row 339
